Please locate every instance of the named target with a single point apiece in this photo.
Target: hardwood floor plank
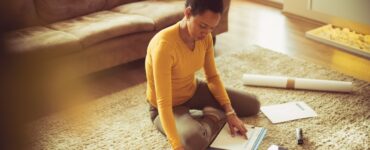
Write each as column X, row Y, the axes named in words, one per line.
column 254, row 23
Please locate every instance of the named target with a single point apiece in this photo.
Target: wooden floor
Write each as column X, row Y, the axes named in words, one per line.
column 250, row 23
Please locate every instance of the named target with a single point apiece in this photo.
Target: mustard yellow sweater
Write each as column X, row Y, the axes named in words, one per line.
column 170, row 66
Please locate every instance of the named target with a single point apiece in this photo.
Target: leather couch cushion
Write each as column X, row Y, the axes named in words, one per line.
column 110, row 53
column 103, row 25
column 39, row 39
column 15, row 14
column 113, row 3
column 56, row 10
column 162, row 13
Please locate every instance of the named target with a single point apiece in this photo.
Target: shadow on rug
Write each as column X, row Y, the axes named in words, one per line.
column 121, row 120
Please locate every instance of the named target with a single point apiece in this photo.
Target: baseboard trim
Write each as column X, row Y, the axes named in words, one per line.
column 269, row 3
column 291, row 15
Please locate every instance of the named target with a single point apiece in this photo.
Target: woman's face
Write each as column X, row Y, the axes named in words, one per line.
column 199, row 26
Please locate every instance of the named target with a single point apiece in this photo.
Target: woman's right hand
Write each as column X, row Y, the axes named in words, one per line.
column 236, row 125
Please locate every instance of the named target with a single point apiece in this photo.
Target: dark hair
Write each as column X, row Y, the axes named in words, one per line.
column 200, row 6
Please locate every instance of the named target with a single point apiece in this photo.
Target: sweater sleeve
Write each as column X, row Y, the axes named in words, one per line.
column 214, row 82
column 162, row 60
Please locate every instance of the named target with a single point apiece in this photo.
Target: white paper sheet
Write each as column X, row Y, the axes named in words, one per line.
column 288, row 111
column 224, row 140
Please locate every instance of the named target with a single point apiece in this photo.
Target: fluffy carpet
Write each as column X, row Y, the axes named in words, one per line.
column 121, row 120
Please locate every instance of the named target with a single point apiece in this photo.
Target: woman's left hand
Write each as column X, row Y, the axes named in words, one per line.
column 236, row 125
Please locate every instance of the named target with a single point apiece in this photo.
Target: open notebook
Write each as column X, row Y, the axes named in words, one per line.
column 224, row 140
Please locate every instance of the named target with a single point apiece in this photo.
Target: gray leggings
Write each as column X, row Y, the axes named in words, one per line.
column 196, row 132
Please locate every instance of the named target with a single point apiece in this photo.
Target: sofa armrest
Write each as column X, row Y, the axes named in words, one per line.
column 223, row 25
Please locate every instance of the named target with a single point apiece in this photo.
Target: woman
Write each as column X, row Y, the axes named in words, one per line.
column 174, row 55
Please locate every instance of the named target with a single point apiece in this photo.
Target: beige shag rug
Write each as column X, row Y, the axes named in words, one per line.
column 121, row 120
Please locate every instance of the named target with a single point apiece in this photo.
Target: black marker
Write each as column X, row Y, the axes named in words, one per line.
column 299, row 136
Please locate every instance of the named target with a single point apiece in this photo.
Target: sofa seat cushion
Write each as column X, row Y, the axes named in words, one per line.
column 40, row 40
column 163, row 13
column 103, row 25
column 112, row 52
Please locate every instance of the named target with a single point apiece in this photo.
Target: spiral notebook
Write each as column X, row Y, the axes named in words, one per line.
column 225, row 141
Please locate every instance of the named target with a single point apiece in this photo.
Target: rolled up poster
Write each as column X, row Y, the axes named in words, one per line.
column 296, row 83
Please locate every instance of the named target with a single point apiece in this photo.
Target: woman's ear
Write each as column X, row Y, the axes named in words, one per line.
column 187, row 12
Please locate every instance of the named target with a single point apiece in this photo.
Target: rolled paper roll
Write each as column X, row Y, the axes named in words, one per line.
column 296, row 83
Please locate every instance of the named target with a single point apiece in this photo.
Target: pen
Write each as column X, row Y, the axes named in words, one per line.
column 299, row 136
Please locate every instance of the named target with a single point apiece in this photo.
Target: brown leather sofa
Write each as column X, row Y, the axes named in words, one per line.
column 89, row 35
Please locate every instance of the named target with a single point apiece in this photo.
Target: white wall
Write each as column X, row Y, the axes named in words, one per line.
column 324, row 11
column 356, row 10
column 301, row 8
